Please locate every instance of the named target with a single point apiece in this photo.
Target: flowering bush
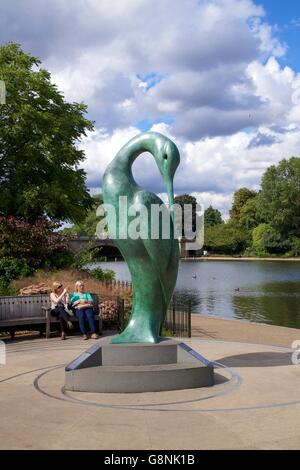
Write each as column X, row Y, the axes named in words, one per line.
column 109, row 310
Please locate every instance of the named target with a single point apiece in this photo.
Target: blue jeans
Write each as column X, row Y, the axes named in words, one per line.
column 88, row 313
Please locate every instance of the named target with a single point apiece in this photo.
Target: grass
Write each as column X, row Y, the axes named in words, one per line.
column 167, row 332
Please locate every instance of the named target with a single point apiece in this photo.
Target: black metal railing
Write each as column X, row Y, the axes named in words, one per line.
column 179, row 318
column 121, row 314
column 177, row 321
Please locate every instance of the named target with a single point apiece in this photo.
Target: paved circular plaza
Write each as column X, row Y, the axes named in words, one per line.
column 255, row 403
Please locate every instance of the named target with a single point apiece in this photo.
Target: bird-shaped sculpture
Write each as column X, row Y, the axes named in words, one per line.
column 153, row 262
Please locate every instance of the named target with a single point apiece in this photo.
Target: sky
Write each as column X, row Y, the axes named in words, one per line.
column 285, row 14
column 219, row 77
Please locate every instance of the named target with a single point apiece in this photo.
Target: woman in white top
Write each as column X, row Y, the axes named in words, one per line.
column 59, row 300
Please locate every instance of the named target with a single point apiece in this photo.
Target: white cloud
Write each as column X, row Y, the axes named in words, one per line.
column 274, row 86
column 213, row 66
column 269, row 43
column 211, row 169
column 200, row 49
column 100, row 148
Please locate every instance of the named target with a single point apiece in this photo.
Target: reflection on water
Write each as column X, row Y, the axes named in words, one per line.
column 259, row 291
column 275, row 303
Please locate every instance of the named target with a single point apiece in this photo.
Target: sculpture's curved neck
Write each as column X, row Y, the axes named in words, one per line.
column 128, row 154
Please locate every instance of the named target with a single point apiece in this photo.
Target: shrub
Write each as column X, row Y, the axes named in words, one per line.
column 267, row 240
column 107, row 275
column 38, row 243
column 60, row 260
column 258, row 239
column 87, row 255
column 12, row 268
column 5, row 288
column 295, row 247
column 225, row 239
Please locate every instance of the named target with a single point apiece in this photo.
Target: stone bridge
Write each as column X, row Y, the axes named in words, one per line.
column 111, row 252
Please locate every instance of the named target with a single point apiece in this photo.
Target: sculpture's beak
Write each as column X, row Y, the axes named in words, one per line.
column 170, row 191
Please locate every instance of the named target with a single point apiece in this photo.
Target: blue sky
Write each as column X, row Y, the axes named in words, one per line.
column 286, row 14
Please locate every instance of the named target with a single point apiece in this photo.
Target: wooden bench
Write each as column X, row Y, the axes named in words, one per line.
column 33, row 312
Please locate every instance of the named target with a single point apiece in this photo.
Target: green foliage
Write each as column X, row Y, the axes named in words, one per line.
column 267, row 240
column 5, row 288
column 88, row 254
column 225, row 239
column 250, row 217
column 264, row 223
column 186, row 199
column 88, row 226
column 258, row 235
column 295, row 247
column 38, row 243
column 240, row 198
column 106, row 275
column 60, row 260
column 212, row 217
column 39, row 132
column 12, row 268
column 274, row 242
column 279, row 198
column 166, row 332
column 25, row 247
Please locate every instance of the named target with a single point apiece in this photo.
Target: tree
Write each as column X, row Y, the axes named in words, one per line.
column 258, row 238
column 240, row 198
column 186, row 199
column 38, row 245
column 88, row 226
column 279, row 199
column 225, row 239
column 267, row 240
column 250, row 216
column 212, row 217
column 39, row 132
column 274, row 243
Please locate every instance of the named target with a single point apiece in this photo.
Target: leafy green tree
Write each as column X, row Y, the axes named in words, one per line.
column 88, row 226
column 240, row 198
column 274, row 243
column 250, row 216
column 295, row 247
column 39, row 133
column 279, row 199
column 186, row 199
column 212, row 217
column 266, row 240
column 258, row 235
column 225, row 239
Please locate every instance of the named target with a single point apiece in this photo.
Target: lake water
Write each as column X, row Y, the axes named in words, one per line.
column 256, row 291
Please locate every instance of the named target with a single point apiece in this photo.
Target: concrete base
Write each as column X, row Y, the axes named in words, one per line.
column 138, row 367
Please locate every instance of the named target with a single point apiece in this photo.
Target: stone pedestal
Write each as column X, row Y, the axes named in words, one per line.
column 138, row 367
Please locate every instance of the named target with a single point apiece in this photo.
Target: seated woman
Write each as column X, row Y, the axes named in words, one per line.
column 83, row 303
column 59, row 299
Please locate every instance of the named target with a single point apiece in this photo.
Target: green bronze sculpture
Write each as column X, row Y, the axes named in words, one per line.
column 153, row 263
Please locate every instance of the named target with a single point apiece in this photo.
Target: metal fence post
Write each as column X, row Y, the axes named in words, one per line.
column 189, row 319
column 120, row 304
column 174, row 320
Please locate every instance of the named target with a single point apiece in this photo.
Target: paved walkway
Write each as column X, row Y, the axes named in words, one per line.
column 254, row 405
column 237, row 330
